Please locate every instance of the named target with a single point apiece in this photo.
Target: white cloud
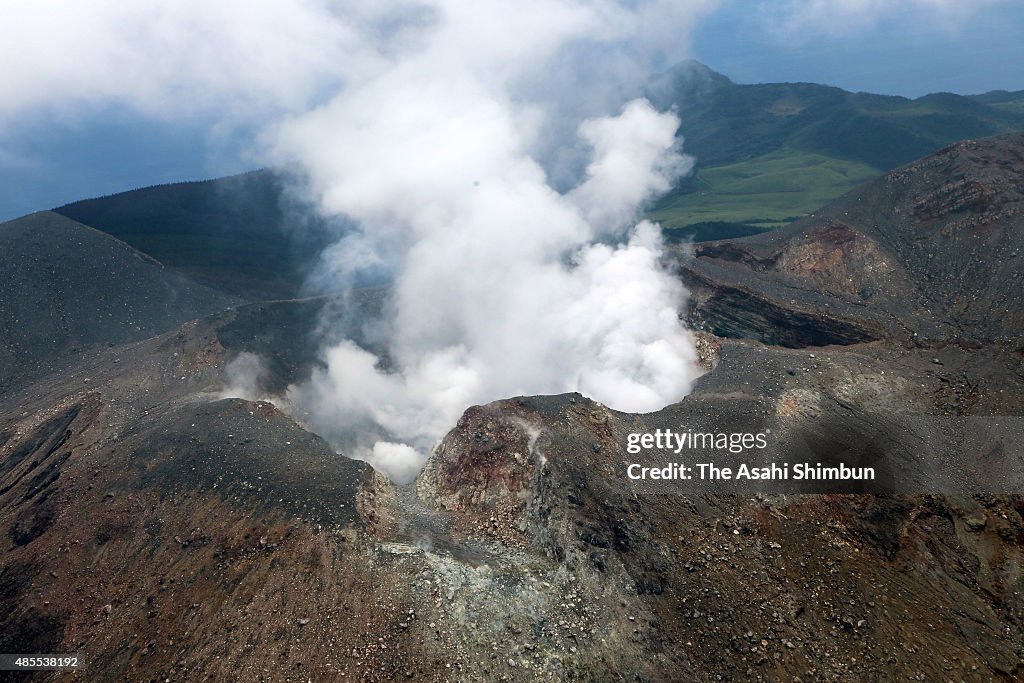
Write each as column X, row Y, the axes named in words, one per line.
column 795, row 18
column 169, row 58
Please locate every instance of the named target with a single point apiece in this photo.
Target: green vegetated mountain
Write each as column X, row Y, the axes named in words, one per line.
column 770, row 153
column 238, row 234
column 766, row 155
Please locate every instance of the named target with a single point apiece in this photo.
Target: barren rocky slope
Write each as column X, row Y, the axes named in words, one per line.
column 929, row 255
column 166, row 533
column 67, row 287
column 242, row 234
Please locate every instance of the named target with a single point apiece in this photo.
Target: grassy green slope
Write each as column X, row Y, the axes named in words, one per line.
column 767, row 153
column 763, row 192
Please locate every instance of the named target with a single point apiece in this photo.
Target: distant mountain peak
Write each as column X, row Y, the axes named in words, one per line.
column 686, row 80
column 693, row 69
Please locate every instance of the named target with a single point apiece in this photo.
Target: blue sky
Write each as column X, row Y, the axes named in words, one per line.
column 52, row 156
column 901, row 53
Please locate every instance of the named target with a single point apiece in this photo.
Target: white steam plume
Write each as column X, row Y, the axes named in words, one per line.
column 244, row 377
column 500, row 289
column 492, row 152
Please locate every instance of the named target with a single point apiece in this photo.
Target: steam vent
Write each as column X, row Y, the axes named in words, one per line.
column 523, row 354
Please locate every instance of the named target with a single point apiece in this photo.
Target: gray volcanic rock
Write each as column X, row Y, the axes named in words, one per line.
column 68, row 287
column 163, row 531
column 712, row 587
column 143, row 517
column 927, row 255
column 288, row 335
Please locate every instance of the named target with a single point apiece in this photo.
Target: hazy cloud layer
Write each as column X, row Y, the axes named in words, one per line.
column 793, row 18
column 168, row 58
column 235, row 60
